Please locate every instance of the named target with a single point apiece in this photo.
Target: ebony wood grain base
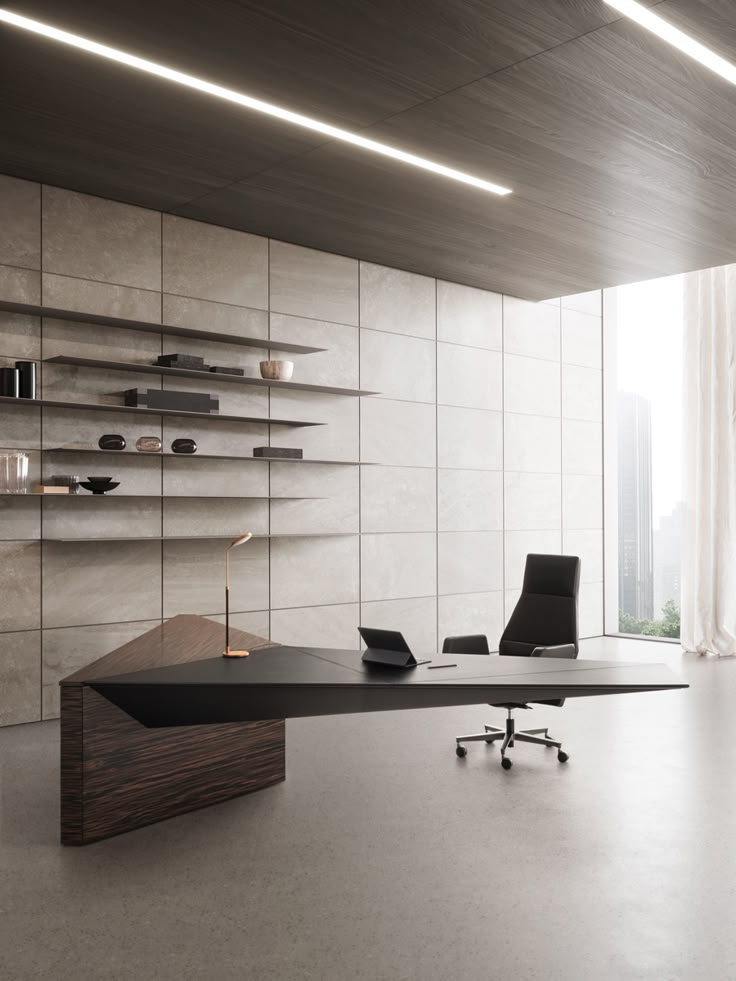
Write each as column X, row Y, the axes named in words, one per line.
column 117, row 775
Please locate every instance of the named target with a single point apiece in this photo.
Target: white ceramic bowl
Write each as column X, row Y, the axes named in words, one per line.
column 277, row 370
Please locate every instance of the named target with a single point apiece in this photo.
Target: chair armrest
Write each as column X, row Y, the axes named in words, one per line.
column 560, row 650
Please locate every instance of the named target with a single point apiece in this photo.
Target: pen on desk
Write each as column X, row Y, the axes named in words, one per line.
column 435, row 666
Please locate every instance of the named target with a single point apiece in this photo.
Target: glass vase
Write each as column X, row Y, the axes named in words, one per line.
column 13, row 473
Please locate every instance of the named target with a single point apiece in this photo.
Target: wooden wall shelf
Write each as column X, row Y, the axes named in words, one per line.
column 78, row 316
column 211, row 377
column 103, row 407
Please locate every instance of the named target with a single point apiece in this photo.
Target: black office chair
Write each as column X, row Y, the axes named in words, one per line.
column 544, row 624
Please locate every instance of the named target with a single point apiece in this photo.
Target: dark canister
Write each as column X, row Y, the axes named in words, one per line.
column 184, row 445
column 9, row 382
column 111, row 441
column 26, row 379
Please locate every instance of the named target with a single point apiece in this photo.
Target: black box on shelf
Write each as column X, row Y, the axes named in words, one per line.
column 179, row 360
column 156, row 398
column 26, row 379
column 10, row 383
column 278, row 452
column 189, row 362
column 219, row 369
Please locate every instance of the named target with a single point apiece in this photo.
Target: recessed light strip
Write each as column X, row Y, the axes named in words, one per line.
column 142, row 64
column 674, row 36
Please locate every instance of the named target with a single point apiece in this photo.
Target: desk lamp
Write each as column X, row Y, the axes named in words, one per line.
column 235, row 542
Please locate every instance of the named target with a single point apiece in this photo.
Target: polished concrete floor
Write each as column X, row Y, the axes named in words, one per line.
column 385, row 858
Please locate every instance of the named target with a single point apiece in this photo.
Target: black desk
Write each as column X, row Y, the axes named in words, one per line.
column 296, row 682
column 165, row 724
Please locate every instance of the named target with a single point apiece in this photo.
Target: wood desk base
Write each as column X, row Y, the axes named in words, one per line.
column 117, row 775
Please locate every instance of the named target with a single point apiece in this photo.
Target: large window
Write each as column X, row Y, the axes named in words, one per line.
column 643, row 419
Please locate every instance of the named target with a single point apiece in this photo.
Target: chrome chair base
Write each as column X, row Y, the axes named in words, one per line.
column 510, row 736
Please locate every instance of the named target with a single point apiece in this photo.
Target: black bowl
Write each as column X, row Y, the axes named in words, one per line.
column 99, row 486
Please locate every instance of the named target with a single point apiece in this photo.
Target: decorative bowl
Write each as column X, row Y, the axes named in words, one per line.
column 277, row 370
column 99, row 485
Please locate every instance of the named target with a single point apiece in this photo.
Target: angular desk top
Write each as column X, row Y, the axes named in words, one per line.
column 279, row 682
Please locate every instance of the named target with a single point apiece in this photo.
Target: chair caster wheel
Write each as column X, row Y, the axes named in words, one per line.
column 506, row 763
column 461, row 751
column 562, row 757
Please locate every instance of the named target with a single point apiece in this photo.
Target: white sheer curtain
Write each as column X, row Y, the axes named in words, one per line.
column 708, row 593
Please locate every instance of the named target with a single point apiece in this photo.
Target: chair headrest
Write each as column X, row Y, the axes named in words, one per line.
column 553, row 575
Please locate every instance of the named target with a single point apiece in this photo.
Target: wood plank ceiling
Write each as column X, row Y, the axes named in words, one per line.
column 620, row 150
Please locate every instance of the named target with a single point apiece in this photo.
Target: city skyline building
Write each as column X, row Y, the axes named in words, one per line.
column 635, row 525
column 667, row 552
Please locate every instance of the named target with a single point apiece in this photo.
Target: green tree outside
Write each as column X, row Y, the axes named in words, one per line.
column 668, row 624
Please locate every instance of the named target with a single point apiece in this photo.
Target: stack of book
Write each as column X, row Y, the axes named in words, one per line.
column 278, row 452
column 221, row 369
column 189, row 361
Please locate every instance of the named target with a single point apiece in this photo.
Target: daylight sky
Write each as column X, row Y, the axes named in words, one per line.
column 649, row 362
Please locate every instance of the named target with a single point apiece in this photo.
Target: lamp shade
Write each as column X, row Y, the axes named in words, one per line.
column 240, row 540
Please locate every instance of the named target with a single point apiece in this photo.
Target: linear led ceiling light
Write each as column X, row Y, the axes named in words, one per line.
column 674, row 36
column 334, row 132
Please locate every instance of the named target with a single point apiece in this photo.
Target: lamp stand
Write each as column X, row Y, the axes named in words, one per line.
column 227, row 652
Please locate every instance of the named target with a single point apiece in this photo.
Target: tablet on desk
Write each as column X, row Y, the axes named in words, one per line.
column 389, row 648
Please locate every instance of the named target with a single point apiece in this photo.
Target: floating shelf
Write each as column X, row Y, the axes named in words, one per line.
column 203, row 538
column 93, row 318
column 100, row 407
column 86, row 496
column 130, row 454
column 259, row 343
column 153, row 369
